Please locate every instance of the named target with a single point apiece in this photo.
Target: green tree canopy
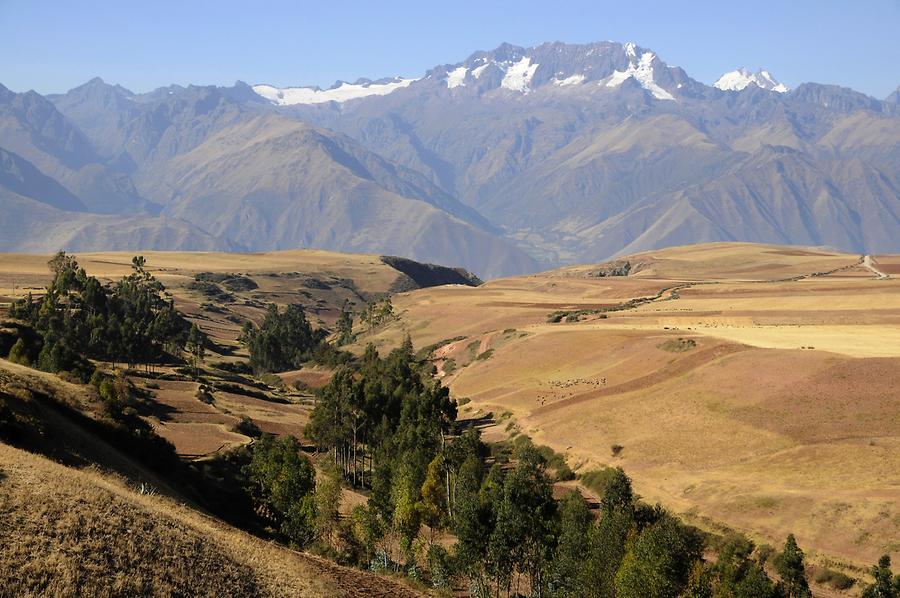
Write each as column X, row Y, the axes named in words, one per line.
column 283, row 341
column 792, row 570
column 282, row 482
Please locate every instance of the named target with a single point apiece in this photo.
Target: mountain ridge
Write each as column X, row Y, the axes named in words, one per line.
column 511, row 160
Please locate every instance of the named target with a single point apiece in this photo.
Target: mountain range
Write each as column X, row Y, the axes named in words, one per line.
column 510, row 161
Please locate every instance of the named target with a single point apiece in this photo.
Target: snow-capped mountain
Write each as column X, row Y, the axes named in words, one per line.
column 507, row 161
column 524, row 70
column 513, row 69
column 741, row 78
column 341, row 91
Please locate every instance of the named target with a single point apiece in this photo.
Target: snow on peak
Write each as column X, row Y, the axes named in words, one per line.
column 571, row 80
column 630, row 49
column 519, row 75
column 457, row 77
column 288, row 96
column 741, row 78
column 642, row 72
column 476, row 72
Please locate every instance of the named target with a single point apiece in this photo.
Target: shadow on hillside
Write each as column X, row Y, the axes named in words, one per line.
column 160, row 411
column 479, row 422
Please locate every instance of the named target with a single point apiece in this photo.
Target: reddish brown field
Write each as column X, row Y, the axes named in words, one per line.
column 309, row 377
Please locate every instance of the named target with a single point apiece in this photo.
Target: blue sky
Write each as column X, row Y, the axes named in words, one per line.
column 54, row 46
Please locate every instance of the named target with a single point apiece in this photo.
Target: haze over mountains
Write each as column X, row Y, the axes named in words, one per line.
column 507, row 162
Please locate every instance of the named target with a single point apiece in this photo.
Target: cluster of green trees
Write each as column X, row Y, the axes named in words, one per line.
column 283, row 341
column 515, row 539
column 377, row 313
column 385, row 422
column 130, row 321
column 282, row 481
column 886, row 585
column 344, row 326
column 389, row 427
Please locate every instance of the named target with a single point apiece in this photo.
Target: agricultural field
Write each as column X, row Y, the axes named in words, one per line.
column 747, row 387
column 219, row 291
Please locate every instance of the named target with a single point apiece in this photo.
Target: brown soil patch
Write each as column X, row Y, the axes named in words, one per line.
column 271, row 417
column 888, row 268
column 193, row 440
column 315, row 377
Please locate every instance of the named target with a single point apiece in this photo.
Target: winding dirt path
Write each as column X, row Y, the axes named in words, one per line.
column 870, row 265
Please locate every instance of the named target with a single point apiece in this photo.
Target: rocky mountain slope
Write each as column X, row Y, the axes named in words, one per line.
column 506, row 162
column 580, row 152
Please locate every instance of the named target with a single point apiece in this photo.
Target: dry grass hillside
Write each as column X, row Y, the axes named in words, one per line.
column 68, row 532
column 749, row 387
column 219, row 291
column 82, row 518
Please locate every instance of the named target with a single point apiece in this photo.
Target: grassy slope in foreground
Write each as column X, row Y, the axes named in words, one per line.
column 68, row 532
column 781, row 415
column 84, row 530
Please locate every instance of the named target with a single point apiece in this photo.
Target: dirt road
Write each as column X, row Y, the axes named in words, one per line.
column 867, row 262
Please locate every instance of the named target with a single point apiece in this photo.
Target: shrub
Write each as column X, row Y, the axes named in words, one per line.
column 555, row 461
column 211, row 290
column 485, row 355
column 835, row 579
column 678, row 346
column 19, row 353
column 598, row 479
column 564, row 473
column 440, row 564
column 240, row 283
column 236, row 367
column 282, row 482
column 272, row 380
column 247, row 427
column 765, row 552
column 204, row 394
column 616, row 449
column 117, row 394
column 97, row 379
